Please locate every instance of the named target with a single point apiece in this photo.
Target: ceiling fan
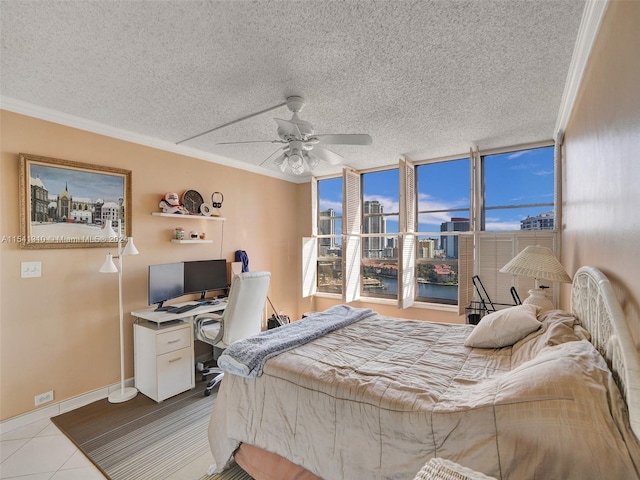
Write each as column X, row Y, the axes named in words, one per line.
column 302, row 148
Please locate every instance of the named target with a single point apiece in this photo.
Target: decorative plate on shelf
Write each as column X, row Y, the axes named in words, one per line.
column 191, row 199
column 206, row 209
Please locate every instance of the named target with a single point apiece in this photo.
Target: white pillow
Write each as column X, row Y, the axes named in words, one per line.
column 504, row 327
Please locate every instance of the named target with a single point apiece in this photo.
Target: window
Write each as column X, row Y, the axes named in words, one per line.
column 443, row 195
column 329, row 260
column 443, row 206
column 519, row 190
column 380, row 234
column 419, row 232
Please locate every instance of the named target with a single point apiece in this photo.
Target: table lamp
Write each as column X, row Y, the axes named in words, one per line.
column 537, row 262
column 124, row 393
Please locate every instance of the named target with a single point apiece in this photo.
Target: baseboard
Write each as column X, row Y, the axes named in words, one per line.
column 60, row 407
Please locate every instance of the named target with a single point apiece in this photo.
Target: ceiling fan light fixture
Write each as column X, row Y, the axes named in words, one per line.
column 313, row 162
column 280, row 163
column 296, row 163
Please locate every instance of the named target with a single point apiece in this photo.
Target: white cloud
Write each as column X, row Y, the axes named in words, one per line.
column 425, row 202
column 495, row 224
column 327, row 204
column 518, row 154
column 389, row 205
column 523, row 166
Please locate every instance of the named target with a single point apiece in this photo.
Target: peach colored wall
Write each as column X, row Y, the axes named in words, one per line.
column 60, row 332
column 601, row 165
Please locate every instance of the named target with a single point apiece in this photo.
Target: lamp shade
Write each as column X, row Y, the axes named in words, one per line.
column 130, row 248
column 109, row 233
column 537, row 262
column 108, row 266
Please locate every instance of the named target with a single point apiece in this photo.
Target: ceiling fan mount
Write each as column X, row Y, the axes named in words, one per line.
column 295, row 104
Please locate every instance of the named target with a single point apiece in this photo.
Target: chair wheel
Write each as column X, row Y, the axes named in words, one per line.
column 207, row 393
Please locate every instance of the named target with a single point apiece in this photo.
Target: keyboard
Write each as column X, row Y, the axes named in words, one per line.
column 183, row 309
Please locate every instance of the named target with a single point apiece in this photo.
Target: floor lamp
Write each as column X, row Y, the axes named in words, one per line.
column 537, row 262
column 125, row 393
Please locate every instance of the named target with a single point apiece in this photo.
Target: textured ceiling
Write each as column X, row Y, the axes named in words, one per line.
column 425, row 79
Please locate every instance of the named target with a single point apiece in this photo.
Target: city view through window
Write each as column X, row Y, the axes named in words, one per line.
column 518, row 195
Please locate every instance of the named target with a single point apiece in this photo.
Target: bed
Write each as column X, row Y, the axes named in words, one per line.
column 379, row 397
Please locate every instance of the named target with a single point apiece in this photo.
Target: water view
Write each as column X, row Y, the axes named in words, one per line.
column 425, row 290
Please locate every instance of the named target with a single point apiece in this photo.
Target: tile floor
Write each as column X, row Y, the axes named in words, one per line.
column 39, row 451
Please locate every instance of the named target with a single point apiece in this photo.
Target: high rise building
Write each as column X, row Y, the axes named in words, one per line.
column 449, row 243
column 544, row 221
column 327, row 226
column 427, row 248
column 373, row 222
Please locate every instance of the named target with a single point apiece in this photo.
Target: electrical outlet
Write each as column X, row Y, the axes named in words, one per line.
column 44, row 397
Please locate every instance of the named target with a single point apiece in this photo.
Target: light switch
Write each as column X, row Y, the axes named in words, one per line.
column 31, row 269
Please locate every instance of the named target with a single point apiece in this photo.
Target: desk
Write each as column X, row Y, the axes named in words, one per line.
column 164, row 361
column 161, row 317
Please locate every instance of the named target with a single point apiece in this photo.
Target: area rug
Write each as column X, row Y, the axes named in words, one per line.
column 144, row 440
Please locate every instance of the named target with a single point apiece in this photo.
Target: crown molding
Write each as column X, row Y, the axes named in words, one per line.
column 42, row 113
column 587, row 33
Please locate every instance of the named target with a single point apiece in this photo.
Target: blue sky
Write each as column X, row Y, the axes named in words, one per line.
column 80, row 183
column 524, row 177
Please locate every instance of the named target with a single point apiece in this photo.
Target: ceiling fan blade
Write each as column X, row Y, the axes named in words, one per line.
column 345, row 139
column 232, row 122
column 251, row 141
column 327, row 155
column 288, row 128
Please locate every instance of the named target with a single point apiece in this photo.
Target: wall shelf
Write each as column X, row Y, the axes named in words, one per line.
column 188, row 217
column 174, row 240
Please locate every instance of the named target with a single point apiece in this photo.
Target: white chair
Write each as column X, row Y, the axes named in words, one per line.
column 241, row 318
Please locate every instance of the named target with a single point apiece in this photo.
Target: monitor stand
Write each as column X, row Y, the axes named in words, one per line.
column 161, row 308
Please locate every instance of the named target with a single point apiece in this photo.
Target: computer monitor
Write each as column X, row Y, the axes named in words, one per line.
column 202, row 276
column 166, row 281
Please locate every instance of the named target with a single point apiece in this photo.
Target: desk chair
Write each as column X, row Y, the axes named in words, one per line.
column 241, row 318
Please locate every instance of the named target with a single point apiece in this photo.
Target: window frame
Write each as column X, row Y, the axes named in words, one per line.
column 408, row 234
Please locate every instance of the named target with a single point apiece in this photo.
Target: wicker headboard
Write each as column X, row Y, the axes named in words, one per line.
column 594, row 302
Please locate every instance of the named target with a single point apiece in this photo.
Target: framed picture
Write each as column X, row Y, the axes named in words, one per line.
column 66, row 204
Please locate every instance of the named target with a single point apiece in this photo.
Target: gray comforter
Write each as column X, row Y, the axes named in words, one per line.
column 378, row 398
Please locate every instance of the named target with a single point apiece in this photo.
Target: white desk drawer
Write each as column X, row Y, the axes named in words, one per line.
column 175, row 373
column 173, row 340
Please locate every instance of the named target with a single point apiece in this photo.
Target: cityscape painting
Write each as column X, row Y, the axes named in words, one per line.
column 67, row 204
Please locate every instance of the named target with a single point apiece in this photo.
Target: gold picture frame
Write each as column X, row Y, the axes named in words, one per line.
column 67, row 204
